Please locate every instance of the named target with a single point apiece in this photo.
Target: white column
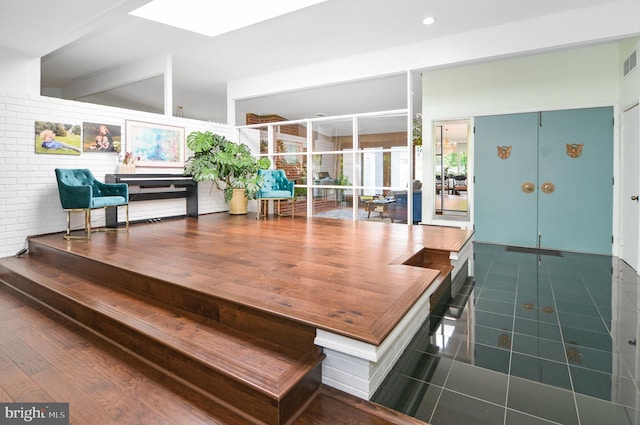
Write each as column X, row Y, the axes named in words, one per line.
column 168, row 86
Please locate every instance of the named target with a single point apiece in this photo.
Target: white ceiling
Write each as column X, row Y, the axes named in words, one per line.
column 84, row 41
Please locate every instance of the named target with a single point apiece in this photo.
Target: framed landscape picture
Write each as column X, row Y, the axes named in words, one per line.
column 156, row 145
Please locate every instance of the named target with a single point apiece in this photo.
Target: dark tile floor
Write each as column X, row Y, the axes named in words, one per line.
column 541, row 340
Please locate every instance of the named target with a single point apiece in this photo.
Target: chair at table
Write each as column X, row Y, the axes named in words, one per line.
column 322, row 178
column 275, row 187
column 459, row 184
column 81, row 192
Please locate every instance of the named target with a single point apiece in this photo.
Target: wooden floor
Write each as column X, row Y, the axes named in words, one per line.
column 341, row 276
column 45, row 358
column 352, row 278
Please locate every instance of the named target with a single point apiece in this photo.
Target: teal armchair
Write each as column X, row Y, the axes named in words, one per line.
column 275, row 187
column 81, row 192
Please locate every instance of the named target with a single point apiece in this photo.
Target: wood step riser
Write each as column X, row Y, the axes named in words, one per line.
column 248, row 401
column 279, row 330
column 236, row 393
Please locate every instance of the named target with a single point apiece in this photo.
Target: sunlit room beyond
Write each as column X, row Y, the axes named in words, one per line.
column 348, row 168
column 450, row 163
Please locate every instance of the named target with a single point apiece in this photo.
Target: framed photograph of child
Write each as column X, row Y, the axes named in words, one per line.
column 57, row 138
column 100, row 137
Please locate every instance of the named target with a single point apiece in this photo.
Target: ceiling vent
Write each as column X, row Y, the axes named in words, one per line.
column 630, row 63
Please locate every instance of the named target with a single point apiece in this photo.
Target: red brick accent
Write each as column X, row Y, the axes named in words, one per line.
column 292, row 129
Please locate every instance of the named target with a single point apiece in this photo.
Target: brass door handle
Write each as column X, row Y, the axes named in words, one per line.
column 634, row 198
column 528, row 187
column 548, row 187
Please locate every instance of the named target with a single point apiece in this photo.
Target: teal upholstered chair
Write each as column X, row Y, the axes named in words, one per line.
column 275, row 187
column 81, row 192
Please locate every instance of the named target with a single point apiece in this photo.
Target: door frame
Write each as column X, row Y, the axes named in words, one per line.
column 630, row 256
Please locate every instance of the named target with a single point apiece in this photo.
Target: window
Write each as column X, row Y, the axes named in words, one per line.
column 339, row 164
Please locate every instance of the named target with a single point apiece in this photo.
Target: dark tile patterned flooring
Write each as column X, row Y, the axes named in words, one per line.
column 541, row 340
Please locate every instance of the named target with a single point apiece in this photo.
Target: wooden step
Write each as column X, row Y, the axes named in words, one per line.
column 171, row 294
column 126, row 384
column 265, row 380
column 334, row 407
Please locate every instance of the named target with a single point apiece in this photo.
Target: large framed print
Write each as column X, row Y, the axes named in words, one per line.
column 156, row 145
column 290, row 148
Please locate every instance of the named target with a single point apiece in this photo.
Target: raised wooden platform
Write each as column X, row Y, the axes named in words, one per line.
column 230, row 305
column 314, row 271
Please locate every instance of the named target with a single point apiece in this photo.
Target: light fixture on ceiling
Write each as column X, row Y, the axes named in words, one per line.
column 210, row 18
column 429, row 20
column 449, row 146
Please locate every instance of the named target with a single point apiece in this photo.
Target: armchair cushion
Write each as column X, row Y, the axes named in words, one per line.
column 79, row 189
column 275, row 194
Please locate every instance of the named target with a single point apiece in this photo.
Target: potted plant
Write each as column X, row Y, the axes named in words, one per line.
column 341, row 180
column 230, row 166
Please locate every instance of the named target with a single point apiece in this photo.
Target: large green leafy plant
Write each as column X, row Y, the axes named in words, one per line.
column 227, row 164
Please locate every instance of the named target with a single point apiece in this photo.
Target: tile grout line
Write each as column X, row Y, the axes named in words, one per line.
column 564, row 346
column 513, row 327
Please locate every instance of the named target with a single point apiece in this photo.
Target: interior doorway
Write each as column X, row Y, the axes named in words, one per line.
column 451, row 154
column 629, row 208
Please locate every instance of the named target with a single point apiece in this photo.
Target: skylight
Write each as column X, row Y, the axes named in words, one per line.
column 217, row 17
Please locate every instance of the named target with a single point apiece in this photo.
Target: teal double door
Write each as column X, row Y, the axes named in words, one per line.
column 545, row 180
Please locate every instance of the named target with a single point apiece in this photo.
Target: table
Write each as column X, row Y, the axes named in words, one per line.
column 378, row 205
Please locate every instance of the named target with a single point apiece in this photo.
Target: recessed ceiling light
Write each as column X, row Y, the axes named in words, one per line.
column 429, row 20
column 215, row 18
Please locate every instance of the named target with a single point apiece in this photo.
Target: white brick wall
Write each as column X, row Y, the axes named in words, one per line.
column 29, row 202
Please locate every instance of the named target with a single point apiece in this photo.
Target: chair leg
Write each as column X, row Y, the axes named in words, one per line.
column 263, row 209
column 87, row 224
column 126, row 220
column 68, row 235
column 126, row 217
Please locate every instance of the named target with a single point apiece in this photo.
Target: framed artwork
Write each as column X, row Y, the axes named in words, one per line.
column 98, row 137
column 57, row 138
column 156, row 145
column 288, row 147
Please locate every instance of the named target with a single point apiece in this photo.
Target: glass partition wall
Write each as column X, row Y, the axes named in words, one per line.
column 355, row 167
